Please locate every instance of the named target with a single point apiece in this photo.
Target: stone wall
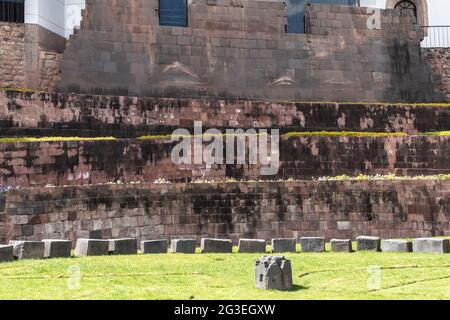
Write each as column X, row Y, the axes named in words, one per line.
column 12, row 55
column 238, row 210
column 242, row 51
column 439, row 59
column 45, row 114
column 95, row 162
column 30, row 56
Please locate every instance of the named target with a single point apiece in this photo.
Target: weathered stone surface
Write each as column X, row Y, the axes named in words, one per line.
column 365, row 243
column 273, row 273
column 91, row 247
column 26, row 110
column 57, row 248
column 283, row 245
column 431, row 245
column 216, row 246
column 183, row 246
column 341, row 245
column 312, row 244
column 6, row 253
column 252, row 246
column 222, row 56
column 154, row 246
column 297, row 156
column 123, row 246
column 28, row 249
column 439, row 59
column 396, row 246
column 71, row 211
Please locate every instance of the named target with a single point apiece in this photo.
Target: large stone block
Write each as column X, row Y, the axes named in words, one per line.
column 312, row 244
column 6, row 253
column 252, row 246
column 216, row 246
column 28, row 249
column 283, row 245
column 91, row 247
column 154, row 246
column 365, row 243
column 396, row 246
column 57, row 248
column 341, row 245
column 273, row 273
column 183, row 246
column 431, row 245
column 123, row 246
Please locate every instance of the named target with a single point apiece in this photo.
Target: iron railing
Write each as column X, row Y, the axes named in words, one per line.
column 12, row 11
column 436, row 37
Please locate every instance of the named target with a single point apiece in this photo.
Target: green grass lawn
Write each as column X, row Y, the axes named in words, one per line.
column 222, row 276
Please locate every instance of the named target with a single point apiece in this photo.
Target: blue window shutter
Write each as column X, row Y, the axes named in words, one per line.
column 173, row 13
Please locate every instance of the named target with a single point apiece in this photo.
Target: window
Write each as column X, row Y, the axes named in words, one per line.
column 405, row 5
column 296, row 12
column 173, row 13
column 12, row 11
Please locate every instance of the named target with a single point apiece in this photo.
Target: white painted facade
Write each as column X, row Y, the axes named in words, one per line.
column 438, row 10
column 58, row 16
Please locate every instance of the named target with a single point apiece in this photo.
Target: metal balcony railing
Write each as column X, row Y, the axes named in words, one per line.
column 12, row 11
column 436, row 37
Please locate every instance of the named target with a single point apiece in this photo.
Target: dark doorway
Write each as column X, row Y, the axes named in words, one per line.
column 296, row 12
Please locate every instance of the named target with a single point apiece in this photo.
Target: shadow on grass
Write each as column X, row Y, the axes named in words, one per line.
column 297, row 287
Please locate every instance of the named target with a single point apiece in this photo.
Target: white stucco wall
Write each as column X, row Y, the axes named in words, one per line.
column 59, row 16
column 438, row 10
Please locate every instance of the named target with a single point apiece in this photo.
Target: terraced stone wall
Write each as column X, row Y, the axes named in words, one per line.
column 94, row 162
column 52, row 114
column 339, row 209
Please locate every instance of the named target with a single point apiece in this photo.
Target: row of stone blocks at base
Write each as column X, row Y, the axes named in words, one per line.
column 93, row 247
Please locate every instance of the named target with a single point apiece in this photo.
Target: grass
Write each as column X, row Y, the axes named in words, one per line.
column 387, row 177
column 52, row 139
column 227, row 276
column 169, row 136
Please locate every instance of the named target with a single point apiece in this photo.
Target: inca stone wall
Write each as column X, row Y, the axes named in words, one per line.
column 240, row 50
column 45, row 114
column 237, row 210
column 439, row 60
column 12, row 55
column 30, row 56
column 96, row 162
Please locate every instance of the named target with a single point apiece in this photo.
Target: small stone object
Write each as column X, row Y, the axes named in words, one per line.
column 252, row 246
column 273, row 273
column 216, row 246
column 28, row 249
column 396, row 246
column 123, row 246
column 57, row 248
column 91, row 247
column 312, row 244
column 154, row 246
column 341, row 245
column 183, row 246
column 431, row 245
column 283, row 245
column 6, row 253
column 365, row 243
